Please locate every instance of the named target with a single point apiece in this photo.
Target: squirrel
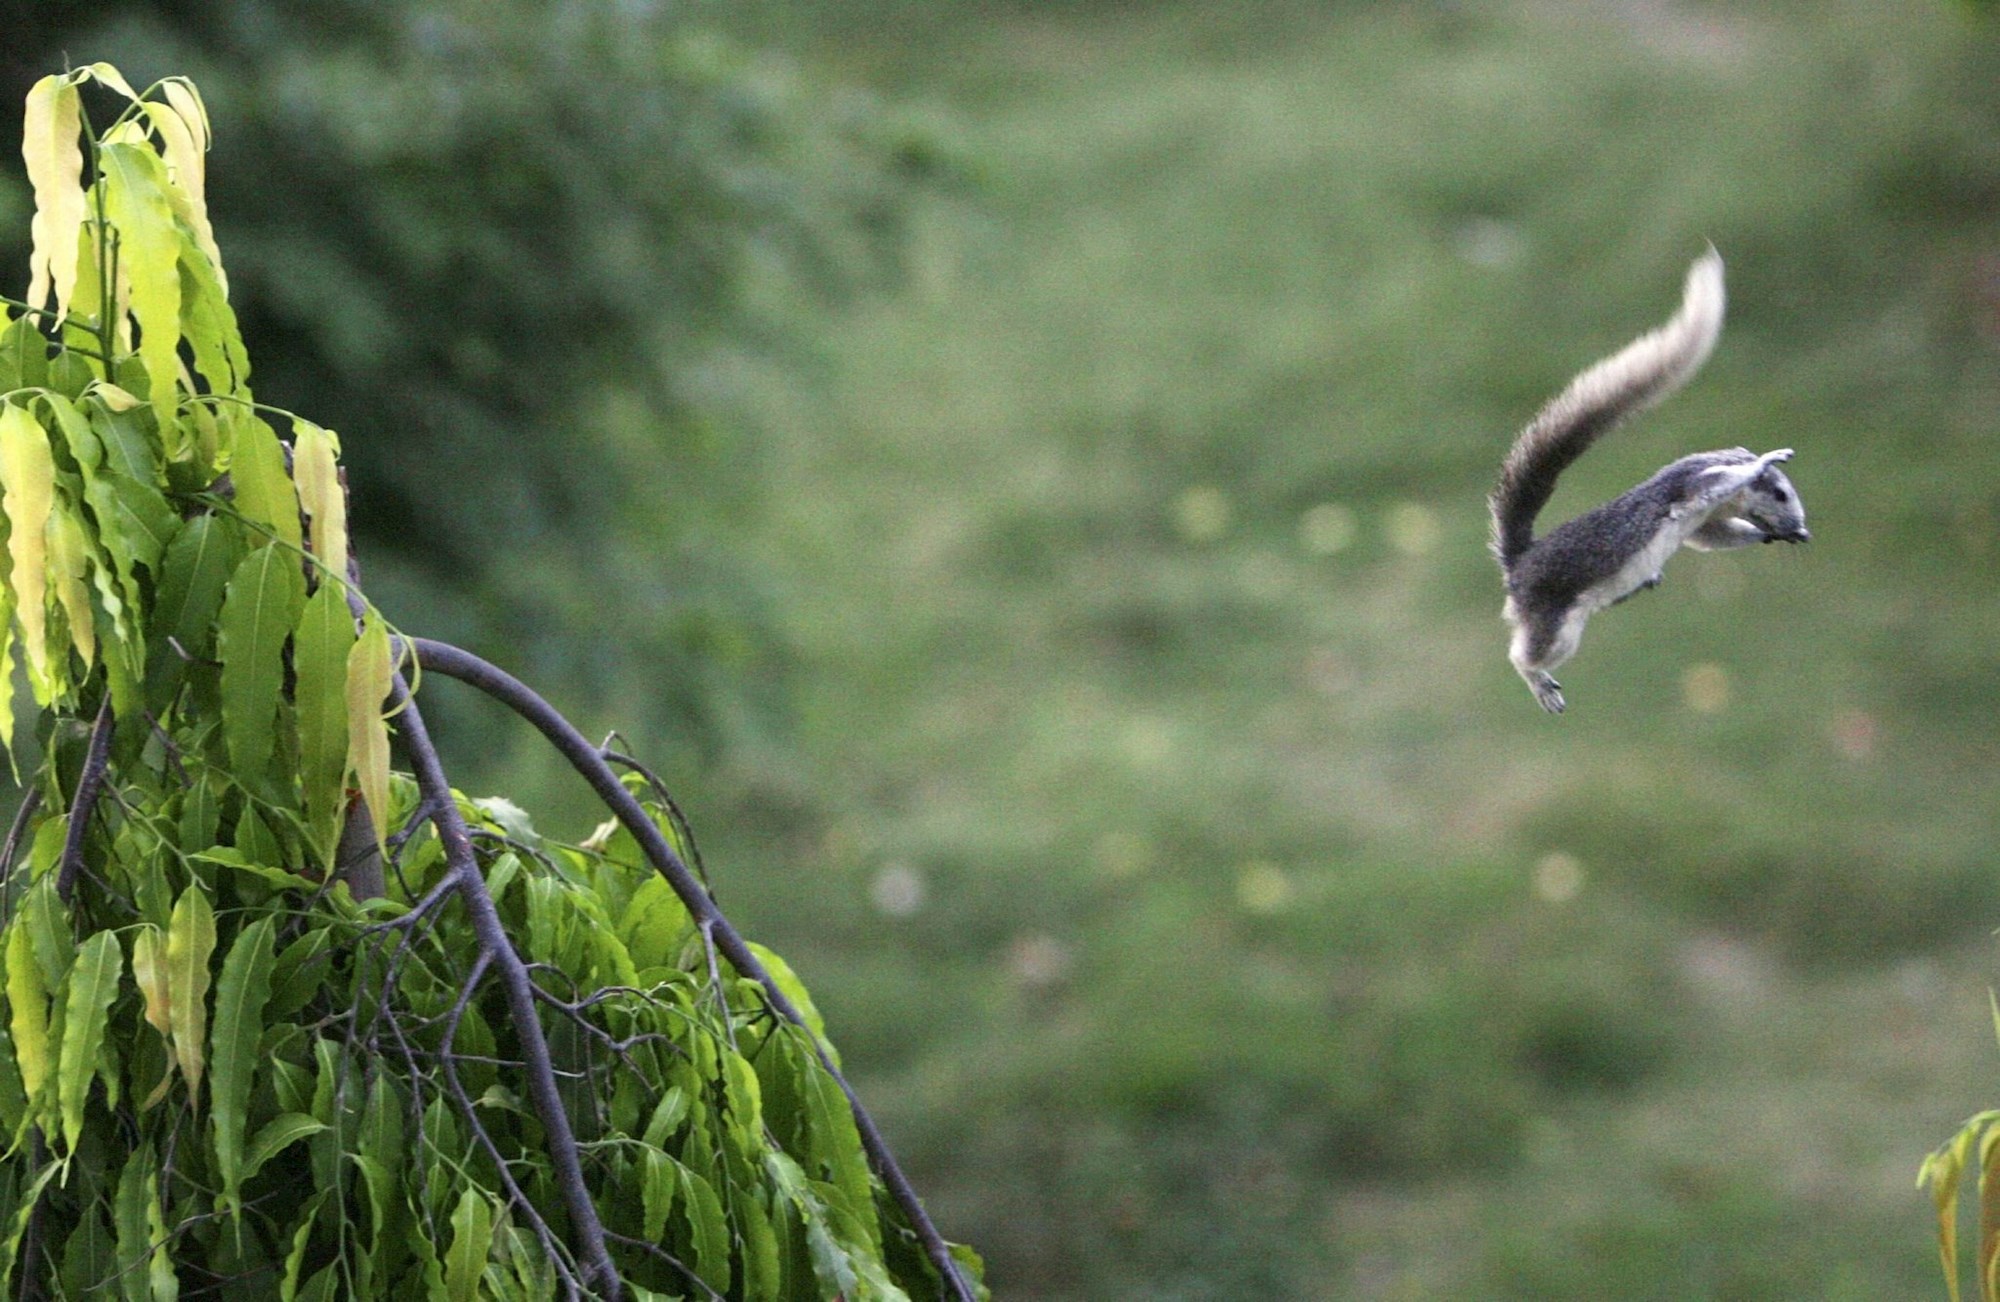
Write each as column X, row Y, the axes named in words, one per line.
column 1708, row 501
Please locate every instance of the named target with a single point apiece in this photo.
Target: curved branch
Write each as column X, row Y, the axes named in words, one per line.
column 598, row 1268
column 89, row 786
column 31, row 800
column 452, row 662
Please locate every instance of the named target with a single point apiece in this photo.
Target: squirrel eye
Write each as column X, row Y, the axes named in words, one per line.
column 1778, row 493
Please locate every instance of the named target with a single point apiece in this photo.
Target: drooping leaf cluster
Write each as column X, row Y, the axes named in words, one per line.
column 221, row 1072
column 519, row 235
column 247, row 1082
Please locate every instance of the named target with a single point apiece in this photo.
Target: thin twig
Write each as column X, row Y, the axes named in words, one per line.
column 449, row 1060
column 452, row 662
column 31, row 800
column 682, row 828
column 95, row 761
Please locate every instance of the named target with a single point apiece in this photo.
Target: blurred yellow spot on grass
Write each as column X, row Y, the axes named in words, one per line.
column 1705, row 688
column 1413, row 529
column 1201, row 514
column 1263, row 887
column 1558, row 877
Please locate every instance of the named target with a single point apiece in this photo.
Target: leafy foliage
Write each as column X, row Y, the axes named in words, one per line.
column 559, row 225
column 227, row 1072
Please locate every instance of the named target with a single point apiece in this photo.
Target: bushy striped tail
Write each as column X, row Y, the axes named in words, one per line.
column 1630, row 380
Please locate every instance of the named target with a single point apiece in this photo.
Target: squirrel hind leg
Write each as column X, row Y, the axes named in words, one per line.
column 1537, row 650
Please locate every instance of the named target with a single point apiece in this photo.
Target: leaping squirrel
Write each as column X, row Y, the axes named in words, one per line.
column 1707, row 501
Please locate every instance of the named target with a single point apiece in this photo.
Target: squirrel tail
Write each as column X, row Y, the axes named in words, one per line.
column 1630, row 380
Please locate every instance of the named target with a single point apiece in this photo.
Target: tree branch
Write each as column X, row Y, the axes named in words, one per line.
column 88, row 786
column 598, row 1269
column 452, row 662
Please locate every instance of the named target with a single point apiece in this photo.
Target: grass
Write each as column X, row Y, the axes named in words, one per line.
column 1177, row 858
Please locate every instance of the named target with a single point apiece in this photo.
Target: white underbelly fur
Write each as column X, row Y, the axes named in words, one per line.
column 1641, row 567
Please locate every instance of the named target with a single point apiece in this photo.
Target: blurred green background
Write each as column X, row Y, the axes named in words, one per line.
column 1019, row 469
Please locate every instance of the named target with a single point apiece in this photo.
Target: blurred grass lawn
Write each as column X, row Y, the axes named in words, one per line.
column 1189, row 878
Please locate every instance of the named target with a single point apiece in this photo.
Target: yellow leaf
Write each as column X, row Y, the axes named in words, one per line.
column 315, row 471
column 69, row 567
column 183, row 126
column 181, row 93
column 49, row 130
column 28, row 1001
column 190, row 941
column 113, row 397
column 368, row 678
column 27, row 493
column 111, row 77
column 149, row 971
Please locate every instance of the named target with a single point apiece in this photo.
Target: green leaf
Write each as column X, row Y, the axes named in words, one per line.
column 24, row 356
column 48, row 923
column 320, row 647
column 128, row 1215
column 201, row 814
column 264, row 492
column 240, row 995
column 209, row 324
column 13, row 1096
column 471, row 1242
column 134, row 520
column 160, row 1272
column 130, row 449
column 149, row 246
column 93, row 984
column 252, row 828
column 795, row 990
column 300, row 972
column 27, row 475
column 78, row 436
column 295, row 1260
column 51, row 124
column 708, row 1228
column 258, row 612
column 835, row 1141
column 274, row 1137
column 655, row 925
column 190, row 942
column 667, row 1116
column 90, row 1255
column 380, row 1158
column 659, row 1182
column 194, row 575
column 10, row 1249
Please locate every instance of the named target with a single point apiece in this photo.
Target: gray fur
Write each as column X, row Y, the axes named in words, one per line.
column 1709, row 501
